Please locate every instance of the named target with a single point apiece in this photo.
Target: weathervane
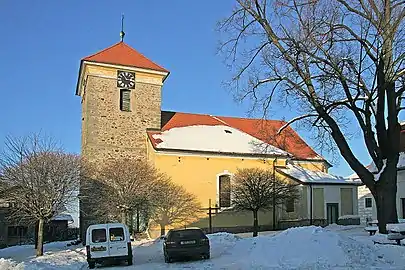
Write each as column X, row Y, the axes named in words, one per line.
column 122, row 33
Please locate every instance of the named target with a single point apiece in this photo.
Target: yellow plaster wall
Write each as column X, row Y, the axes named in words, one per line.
column 198, row 174
column 112, row 72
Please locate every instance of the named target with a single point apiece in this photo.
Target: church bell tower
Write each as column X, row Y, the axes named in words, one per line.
column 120, row 92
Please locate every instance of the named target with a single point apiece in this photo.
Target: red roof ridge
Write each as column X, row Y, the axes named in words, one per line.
column 233, row 117
column 103, row 50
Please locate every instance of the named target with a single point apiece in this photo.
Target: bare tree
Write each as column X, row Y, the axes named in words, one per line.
column 119, row 186
column 173, row 204
column 339, row 63
column 38, row 179
column 255, row 189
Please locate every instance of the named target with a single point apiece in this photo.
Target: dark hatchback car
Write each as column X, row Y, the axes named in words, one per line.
column 186, row 243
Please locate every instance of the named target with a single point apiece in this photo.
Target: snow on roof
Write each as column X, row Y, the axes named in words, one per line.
column 312, row 177
column 219, row 138
column 60, row 217
column 372, row 168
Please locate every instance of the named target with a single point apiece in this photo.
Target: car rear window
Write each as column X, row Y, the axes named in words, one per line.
column 98, row 236
column 116, row 234
column 186, row 234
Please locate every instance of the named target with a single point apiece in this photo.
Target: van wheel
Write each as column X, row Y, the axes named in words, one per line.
column 92, row 265
column 130, row 261
column 168, row 259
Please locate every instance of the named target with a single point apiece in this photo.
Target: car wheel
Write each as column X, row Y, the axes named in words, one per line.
column 92, row 265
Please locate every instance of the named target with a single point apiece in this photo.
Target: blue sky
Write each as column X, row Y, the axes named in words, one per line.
column 43, row 42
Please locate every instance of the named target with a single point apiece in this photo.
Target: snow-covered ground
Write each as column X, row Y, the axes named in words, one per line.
column 334, row 247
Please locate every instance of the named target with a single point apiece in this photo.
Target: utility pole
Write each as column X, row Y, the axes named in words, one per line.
column 210, row 213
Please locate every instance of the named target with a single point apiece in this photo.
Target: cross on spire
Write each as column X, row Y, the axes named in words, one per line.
column 122, row 33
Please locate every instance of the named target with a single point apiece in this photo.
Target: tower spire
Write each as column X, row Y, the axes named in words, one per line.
column 122, row 33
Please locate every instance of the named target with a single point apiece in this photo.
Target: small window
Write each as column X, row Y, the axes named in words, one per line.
column 290, row 205
column 368, row 202
column 125, row 100
column 98, row 236
column 116, row 234
column 228, row 131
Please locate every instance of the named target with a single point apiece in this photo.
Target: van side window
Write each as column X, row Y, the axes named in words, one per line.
column 98, row 236
column 116, row 234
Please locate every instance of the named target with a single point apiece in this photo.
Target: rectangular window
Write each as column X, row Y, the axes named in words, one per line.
column 125, row 100
column 224, row 191
column 290, row 205
column 98, row 236
column 116, row 234
column 14, row 231
column 368, row 202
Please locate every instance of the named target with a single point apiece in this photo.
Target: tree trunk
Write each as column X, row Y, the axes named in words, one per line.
column 162, row 229
column 385, row 196
column 36, row 235
column 131, row 222
column 123, row 216
column 40, row 245
column 255, row 223
column 137, row 220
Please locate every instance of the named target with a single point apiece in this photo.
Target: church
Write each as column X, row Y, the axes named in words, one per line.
column 120, row 91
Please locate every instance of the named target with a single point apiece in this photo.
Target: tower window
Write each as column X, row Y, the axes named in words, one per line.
column 368, row 202
column 125, row 100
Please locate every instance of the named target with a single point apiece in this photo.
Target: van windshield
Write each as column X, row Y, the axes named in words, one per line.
column 186, row 234
column 116, row 234
column 98, row 236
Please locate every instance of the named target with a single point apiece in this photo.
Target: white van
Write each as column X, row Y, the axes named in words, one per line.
column 108, row 242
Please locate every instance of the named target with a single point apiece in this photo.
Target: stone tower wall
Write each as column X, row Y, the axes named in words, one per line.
column 108, row 132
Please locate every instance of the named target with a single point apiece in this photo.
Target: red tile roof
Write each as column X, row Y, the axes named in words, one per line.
column 264, row 130
column 122, row 54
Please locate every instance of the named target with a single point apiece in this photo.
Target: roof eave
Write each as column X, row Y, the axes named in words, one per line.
column 161, row 70
column 79, row 78
column 314, row 183
column 216, row 152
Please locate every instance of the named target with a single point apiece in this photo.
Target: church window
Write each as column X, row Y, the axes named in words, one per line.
column 224, row 191
column 125, row 100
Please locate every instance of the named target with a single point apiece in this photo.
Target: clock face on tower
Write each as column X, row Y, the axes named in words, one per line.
column 125, row 79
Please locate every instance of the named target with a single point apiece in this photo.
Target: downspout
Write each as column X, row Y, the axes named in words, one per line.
column 310, row 205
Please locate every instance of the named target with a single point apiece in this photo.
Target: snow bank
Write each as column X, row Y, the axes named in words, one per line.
column 296, row 248
column 10, row 265
column 349, row 217
column 398, row 227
